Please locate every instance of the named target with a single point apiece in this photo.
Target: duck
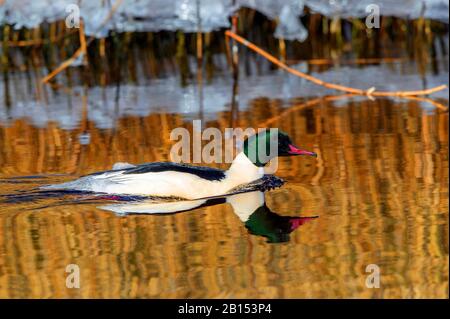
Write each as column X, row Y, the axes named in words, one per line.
column 250, row 207
column 184, row 181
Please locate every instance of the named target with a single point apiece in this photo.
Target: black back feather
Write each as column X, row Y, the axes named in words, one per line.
column 208, row 173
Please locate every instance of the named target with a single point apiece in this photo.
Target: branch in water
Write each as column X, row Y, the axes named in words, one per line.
column 370, row 92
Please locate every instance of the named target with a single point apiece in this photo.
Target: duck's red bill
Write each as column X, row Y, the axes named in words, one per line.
column 294, row 150
column 298, row 221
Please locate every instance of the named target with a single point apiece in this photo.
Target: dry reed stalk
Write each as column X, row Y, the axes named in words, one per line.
column 102, row 48
column 234, row 47
column 346, row 89
column 427, row 100
column 199, row 47
column 68, row 62
column 83, row 44
column 282, row 45
column 199, row 35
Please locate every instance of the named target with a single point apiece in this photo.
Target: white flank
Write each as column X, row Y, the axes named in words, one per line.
column 168, row 183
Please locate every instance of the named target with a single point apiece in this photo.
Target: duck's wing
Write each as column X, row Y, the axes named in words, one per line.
column 208, row 173
column 122, row 165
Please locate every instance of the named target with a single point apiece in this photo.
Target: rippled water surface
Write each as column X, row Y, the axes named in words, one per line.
column 379, row 187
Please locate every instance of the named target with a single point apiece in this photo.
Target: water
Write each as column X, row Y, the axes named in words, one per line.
column 378, row 190
column 380, row 187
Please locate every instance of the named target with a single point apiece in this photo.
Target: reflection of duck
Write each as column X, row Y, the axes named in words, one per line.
column 184, row 181
column 249, row 207
column 261, row 221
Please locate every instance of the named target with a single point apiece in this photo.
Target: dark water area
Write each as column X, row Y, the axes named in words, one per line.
column 376, row 194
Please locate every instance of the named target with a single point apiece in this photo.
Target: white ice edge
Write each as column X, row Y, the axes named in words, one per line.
column 156, row 15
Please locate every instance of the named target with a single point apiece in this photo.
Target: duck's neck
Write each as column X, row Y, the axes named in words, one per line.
column 243, row 171
column 246, row 204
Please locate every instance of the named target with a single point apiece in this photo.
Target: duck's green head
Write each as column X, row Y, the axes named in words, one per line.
column 276, row 228
column 262, row 147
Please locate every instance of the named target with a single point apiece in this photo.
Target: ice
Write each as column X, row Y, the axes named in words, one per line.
column 204, row 15
column 106, row 105
column 291, row 28
column 410, row 9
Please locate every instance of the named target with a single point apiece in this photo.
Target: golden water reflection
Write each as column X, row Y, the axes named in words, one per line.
column 380, row 187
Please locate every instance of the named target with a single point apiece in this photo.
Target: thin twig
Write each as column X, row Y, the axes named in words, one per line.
column 427, row 100
column 369, row 92
column 26, row 43
column 83, row 44
column 68, row 62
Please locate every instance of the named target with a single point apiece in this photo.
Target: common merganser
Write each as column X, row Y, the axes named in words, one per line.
column 250, row 208
column 166, row 179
